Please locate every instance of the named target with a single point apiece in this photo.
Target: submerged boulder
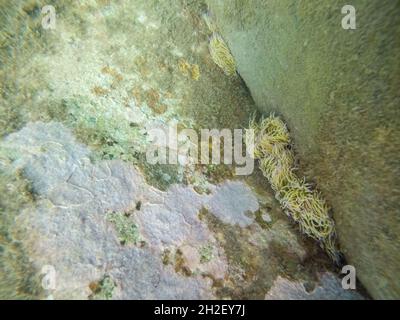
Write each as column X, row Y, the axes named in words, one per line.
column 337, row 89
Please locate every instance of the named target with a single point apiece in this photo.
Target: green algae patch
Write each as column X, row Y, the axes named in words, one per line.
column 128, row 231
column 206, row 253
column 112, row 136
column 108, row 131
column 162, row 175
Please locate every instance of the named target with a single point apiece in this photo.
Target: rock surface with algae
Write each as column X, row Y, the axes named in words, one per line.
column 179, row 254
column 77, row 194
column 338, row 92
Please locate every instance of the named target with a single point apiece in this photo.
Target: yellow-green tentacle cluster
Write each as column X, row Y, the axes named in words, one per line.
column 221, row 54
column 297, row 199
column 219, row 50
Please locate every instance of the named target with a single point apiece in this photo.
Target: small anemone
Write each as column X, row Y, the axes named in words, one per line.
column 221, row 54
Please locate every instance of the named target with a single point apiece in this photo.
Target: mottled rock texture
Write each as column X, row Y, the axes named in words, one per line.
column 329, row 288
column 68, row 228
column 338, row 91
column 177, row 252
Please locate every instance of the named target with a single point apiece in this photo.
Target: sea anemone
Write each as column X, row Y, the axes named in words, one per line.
column 297, row 199
column 221, row 54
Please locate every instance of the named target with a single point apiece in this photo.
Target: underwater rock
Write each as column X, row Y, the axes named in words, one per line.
column 106, row 232
column 328, row 288
column 69, row 230
column 166, row 250
column 231, row 202
column 334, row 89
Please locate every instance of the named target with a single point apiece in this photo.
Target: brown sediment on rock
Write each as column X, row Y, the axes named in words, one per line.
column 152, row 97
column 100, row 91
column 189, row 70
column 117, row 77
